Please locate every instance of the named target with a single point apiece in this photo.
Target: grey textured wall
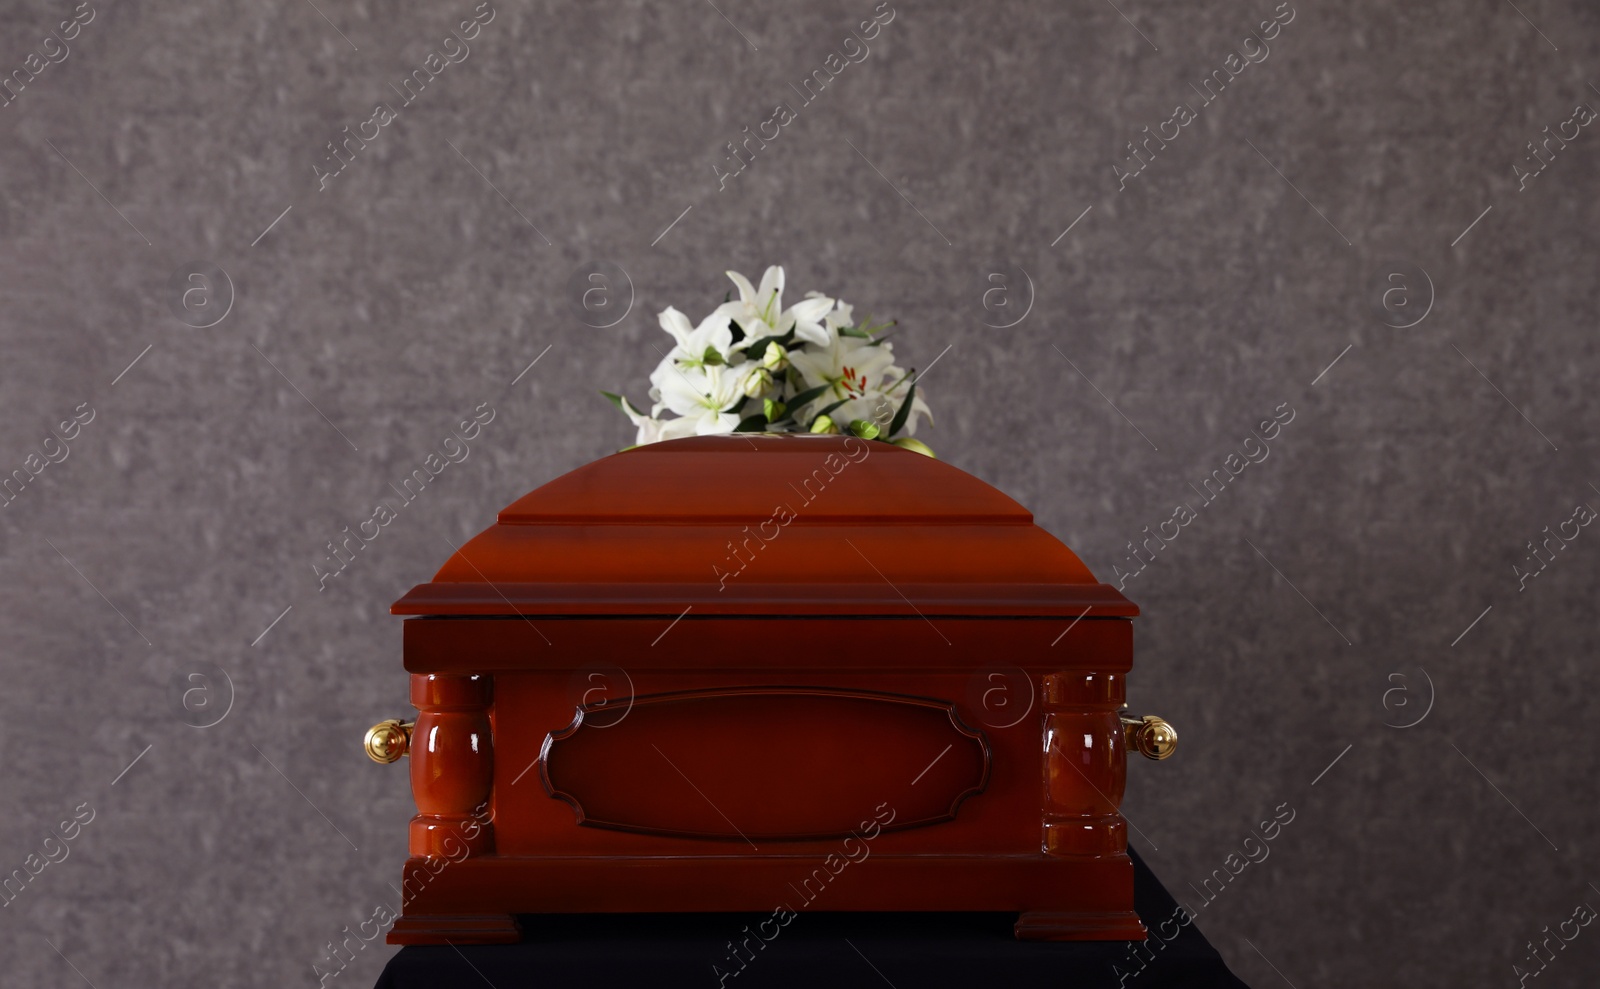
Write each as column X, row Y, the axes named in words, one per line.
column 1225, row 279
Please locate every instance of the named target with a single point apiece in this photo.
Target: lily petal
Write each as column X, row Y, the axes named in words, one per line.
column 812, row 333
column 771, row 284
column 716, row 424
column 672, row 429
column 677, row 324
column 769, row 300
column 812, row 309
column 747, row 292
column 806, row 317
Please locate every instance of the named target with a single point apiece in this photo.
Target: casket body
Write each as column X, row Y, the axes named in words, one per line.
column 766, row 673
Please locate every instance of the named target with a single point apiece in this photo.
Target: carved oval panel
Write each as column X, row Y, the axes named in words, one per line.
column 767, row 763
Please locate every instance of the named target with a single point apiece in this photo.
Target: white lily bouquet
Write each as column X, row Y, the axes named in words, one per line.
column 753, row 366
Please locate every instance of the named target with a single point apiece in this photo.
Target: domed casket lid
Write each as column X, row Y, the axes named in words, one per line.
column 766, row 524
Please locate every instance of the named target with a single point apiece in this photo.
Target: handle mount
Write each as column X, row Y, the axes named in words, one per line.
column 1151, row 736
column 388, row 740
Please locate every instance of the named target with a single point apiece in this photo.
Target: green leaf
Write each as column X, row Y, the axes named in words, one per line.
column 752, row 424
column 711, row 357
column 757, row 348
column 809, row 395
column 905, row 411
column 615, row 400
column 828, row 409
column 851, row 331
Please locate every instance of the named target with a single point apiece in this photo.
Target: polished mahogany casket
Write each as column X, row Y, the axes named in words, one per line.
column 741, row 673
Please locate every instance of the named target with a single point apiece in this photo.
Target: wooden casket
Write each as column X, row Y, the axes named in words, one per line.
column 766, row 673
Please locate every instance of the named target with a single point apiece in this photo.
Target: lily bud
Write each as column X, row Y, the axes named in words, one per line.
column 823, row 424
column 774, row 409
column 775, row 358
column 758, row 382
column 865, row 428
column 914, row 445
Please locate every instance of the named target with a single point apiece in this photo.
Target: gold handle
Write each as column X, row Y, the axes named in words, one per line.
column 1150, row 735
column 388, row 740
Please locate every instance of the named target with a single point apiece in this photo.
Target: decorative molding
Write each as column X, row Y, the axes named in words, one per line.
column 752, row 764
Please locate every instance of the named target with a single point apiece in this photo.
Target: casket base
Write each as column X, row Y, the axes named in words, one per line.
column 1042, row 925
column 1058, row 899
column 455, row 929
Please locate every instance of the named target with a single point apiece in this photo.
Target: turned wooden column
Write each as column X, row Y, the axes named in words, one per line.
column 1085, row 765
column 452, row 766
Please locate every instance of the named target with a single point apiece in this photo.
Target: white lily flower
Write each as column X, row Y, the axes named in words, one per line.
column 843, row 314
column 849, row 366
column 862, row 375
column 807, row 320
column 652, row 430
column 893, row 376
column 713, row 333
column 702, row 395
column 758, row 310
column 881, row 407
column 664, row 370
column 692, row 345
column 760, row 313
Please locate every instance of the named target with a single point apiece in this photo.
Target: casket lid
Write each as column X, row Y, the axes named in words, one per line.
column 766, row 524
